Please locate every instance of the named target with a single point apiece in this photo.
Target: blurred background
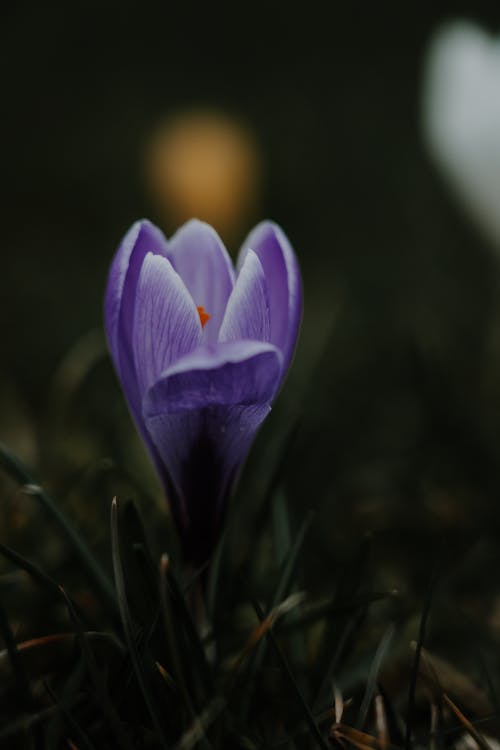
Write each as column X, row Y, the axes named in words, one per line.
column 311, row 117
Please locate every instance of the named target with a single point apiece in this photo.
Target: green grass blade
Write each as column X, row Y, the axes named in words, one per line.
column 416, row 661
column 128, row 628
column 301, row 702
column 83, row 738
column 102, row 694
column 257, row 656
column 371, row 685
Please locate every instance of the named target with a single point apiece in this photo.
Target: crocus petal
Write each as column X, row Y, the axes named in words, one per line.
column 282, row 274
column 202, row 417
column 247, row 314
column 200, row 258
column 461, row 117
column 119, row 306
column 166, row 325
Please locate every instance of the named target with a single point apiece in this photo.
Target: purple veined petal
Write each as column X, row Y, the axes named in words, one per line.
column 200, row 258
column 247, row 313
column 119, row 307
column 166, row 324
column 282, row 274
column 232, row 372
column 202, row 417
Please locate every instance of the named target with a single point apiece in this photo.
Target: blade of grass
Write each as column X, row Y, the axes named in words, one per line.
column 337, row 638
column 435, row 740
column 214, row 577
column 346, row 634
column 468, row 726
column 128, row 627
column 359, row 740
column 15, row 660
column 258, row 633
column 134, row 526
column 36, row 573
column 16, row 470
column 282, row 534
column 166, row 610
column 197, row 653
column 258, row 522
column 285, row 668
column 168, row 623
column 371, row 685
column 280, row 593
column 381, row 723
column 33, row 570
column 83, row 738
column 333, row 607
column 102, row 695
column 281, row 527
column 196, row 732
column 418, row 653
column 74, row 696
column 394, row 722
column 449, row 731
column 288, row 571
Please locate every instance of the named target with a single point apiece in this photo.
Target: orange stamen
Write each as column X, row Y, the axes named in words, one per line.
column 204, row 316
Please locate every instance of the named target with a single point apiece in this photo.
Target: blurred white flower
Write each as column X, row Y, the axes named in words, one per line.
column 461, row 117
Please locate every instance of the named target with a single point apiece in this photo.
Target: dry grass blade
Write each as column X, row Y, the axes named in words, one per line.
column 381, row 723
column 267, row 623
column 169, row 681
column 359, row 739
column 467, row 725
column 281, row 609
column 338, row 705
column 284, row 584
column 197, row 730
column 443, row 677
column 38, row 655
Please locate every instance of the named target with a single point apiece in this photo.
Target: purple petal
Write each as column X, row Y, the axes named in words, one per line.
column 142, row 237
column 167, row 325
column 247, row 314
column 202, row 417
column 236, row 372
column 200, row 258
column 283, row 282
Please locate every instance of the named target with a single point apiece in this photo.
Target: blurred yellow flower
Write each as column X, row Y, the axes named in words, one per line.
column 204, row 164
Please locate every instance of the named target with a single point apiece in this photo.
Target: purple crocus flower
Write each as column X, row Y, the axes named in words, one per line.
column 201, row 352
